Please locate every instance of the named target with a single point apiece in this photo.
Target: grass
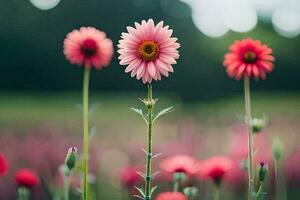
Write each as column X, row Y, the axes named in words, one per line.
column 30, row 109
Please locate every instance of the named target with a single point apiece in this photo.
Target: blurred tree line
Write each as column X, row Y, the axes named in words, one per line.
column 31, row 43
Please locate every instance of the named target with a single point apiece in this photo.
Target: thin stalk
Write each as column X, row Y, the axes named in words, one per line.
column 217, row 193
column 85, row 118
column 23, row 193
column 276, row 178
column 276, row 171
column 260, row 189
column 250, row 139
column 66, row 187
column 149, row 149
column 176, row 186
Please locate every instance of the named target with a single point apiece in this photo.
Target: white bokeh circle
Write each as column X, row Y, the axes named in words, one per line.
column 286, row 22
column 45, row 4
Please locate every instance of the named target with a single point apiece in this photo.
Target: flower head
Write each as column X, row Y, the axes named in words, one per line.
column 89, row 47
column 179, row 164
column 262, row 171
column 248, row 58
column 129, row 176
column 70, row 160
column 171, row 196
column 277, row 148
column 148, row 50
column 215, row 168
column 26, row 178
column 3, row 165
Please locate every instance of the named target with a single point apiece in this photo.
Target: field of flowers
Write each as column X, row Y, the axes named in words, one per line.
column 150, row 100
column 37, row 130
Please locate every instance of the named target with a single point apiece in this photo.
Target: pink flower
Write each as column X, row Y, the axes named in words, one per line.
column 89, row 47
column 215, row 168
column 148, row 50
column 248, row 58
column 3, row 165
column 129, row 176
column 171, row 196
column 236, row 177
column 179, row 163
column 239, row 148
column 292, row 169
column 26, row 178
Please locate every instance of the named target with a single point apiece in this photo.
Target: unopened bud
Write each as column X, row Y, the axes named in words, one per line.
column 277, row 148
column 70, row 160
column 149, row 103
column 257, row 124
column 263, row 170
column 191, row 192
column 179, row 177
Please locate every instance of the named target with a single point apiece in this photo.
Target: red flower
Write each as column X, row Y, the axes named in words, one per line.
column 89, row 47
column 248, row 58
column 129, row 176
column 171, row 196
column 27, row 178
column 179, row 163
column 3, row 165
column 215, row 168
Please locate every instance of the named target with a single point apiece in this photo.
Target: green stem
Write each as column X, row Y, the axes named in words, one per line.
column 250, row 142
column 149, row 150
column 176, row 186
column 23, row 193
column 85, row 116
column 276, row 178
column 260, row 189
column 217, row 193
column 276, row 171
column 66, row 187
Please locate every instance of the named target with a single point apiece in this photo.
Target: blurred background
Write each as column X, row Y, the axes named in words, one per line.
column 40, row 92
column 33, row 31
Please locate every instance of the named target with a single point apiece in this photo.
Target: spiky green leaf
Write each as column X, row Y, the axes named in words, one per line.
column 140, row 112
column 163, row 112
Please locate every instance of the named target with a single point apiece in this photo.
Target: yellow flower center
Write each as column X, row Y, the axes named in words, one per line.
column 148, row 50
column 250, row 57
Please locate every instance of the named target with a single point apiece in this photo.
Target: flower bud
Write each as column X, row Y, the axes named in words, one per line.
column 257, row 124
column 277, row 148
column 149, row 103
column 191, row 192
column 263, row 170
column 179, row 177
column 70, row 160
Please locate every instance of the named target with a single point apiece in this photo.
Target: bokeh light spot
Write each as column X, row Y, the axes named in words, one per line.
column 45, row 4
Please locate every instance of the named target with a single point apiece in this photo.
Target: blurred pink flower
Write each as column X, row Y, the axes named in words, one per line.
column 3, row 165
column 89, row 47
column 148, row 50
column 171, row 196
column 236, row 177
column 239, row 146
column 26, row 178
column 128, row 176
column 292, row 168
column 248, row 58
column 215, row 168
column 179, row 163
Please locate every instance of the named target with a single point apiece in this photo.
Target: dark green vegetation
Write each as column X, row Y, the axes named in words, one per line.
column 32, row 59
